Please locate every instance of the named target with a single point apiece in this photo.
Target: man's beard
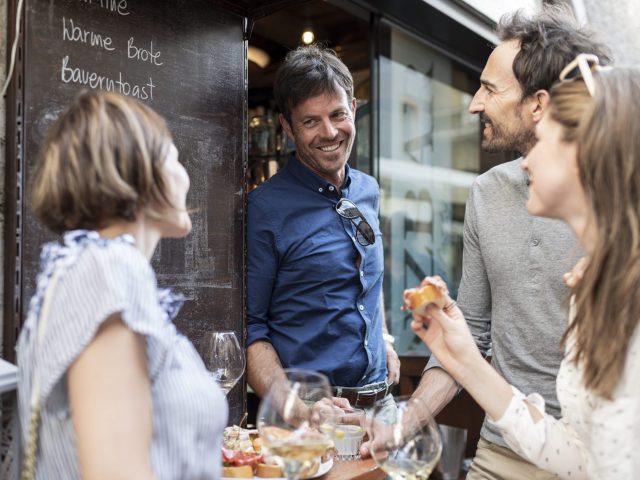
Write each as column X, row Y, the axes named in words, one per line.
column 520, row 140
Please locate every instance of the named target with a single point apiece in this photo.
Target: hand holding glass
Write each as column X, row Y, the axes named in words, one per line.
column 224, row 358
column 296, row 420
column 406, row 445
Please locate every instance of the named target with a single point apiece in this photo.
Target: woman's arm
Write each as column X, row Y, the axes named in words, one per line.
column 549, row 443
column 449, row 339
column 110, row 398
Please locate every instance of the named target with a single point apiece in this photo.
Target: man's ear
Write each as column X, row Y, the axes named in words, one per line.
column 539, row 104
column 285, row 126
column 353, row 106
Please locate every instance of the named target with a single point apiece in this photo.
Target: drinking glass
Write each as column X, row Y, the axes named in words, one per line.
column 224, row 358
column 454, row 442
column 297, row 420
column 406, row 443
column 350, row 429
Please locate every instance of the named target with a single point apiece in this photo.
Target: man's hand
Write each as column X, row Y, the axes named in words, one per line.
column 393, row 365
column 382, row 435
column 340, row 402
column 327, row 409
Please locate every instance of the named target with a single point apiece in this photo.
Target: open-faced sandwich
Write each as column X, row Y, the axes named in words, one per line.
column 243, row 456
column 239, row 456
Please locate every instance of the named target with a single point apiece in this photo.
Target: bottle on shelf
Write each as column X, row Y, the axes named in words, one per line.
column 262, row 134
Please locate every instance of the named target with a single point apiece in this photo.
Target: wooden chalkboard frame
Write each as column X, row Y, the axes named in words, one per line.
column 226, row 301
column 14, row 159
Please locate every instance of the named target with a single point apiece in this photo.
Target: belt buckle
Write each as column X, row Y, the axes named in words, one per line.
column 372, row 396
column 364, row 395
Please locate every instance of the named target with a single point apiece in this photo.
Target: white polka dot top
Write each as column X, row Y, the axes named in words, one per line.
column 595, row 438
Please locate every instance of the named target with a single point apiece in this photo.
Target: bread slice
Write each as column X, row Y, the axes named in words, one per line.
column 238, row 472
column 423, row 296
column 268, row 471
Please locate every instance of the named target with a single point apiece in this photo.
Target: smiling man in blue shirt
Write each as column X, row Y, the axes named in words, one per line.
column 315, row 259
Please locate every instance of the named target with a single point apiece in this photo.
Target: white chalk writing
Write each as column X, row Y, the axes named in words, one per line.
column 74, row 33
column 143, row 54
column 93, row 80
column 118, row 6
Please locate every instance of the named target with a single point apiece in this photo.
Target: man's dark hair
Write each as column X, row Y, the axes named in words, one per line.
column 308, row 72
column 548, row 41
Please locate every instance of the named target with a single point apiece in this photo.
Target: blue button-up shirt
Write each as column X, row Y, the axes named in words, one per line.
column 308, row 295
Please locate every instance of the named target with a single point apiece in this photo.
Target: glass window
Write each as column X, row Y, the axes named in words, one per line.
column 429, row 156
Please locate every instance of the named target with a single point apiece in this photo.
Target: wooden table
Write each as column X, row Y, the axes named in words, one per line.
column 364, row 470
column 354, row 470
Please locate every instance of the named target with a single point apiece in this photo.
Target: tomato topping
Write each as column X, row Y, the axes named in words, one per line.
column 232, row 458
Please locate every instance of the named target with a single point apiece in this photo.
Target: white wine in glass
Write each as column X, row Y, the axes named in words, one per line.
column 406, row 442
column 296, row 420
column 224, row 358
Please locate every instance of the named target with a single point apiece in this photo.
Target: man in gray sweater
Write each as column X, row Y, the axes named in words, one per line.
column 511, row 292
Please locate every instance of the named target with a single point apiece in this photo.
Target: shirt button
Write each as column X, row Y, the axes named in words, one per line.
column 366, row 343
column 331, row 189
column 536, row 242
column 321, row 189
column 361, row 307
column 361, row 273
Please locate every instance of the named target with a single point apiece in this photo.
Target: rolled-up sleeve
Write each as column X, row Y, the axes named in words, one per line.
column 262, row 266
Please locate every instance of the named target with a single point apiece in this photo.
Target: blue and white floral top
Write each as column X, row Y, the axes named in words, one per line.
column 99, row 277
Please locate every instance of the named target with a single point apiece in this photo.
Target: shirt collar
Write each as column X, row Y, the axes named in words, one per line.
column 314, row 181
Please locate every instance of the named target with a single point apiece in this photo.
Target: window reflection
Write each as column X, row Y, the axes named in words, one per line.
column 429, row 156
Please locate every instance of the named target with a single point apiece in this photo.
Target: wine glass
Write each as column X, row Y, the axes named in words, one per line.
column 405, row 441
column 224, row 358
column 297, row 419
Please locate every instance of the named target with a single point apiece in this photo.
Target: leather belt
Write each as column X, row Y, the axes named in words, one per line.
column 363, row 397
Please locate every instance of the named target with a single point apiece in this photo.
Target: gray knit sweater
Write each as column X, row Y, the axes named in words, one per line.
column 512, row 293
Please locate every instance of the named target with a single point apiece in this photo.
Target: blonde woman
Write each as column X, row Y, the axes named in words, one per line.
column 121, row 394
column 585, row 170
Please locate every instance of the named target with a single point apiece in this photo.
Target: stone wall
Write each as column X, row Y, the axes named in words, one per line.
column 619, row 24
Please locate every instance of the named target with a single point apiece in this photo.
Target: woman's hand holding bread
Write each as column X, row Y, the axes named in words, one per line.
column 439, row 323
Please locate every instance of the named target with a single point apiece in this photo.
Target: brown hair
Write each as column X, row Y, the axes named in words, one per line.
column 101, row 161
column 308, row 72
column 607, row 299
column 548, row 41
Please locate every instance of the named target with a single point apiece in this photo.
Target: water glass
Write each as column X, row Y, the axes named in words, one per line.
column 350, row 429
column 454, row 442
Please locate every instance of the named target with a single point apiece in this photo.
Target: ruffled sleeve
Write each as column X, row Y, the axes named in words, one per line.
column 101, row 280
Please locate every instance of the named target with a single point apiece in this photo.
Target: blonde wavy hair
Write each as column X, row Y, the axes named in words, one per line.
column 607, row 299
column 101, row 161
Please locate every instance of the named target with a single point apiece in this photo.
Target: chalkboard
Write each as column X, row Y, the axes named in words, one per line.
column 185, row 59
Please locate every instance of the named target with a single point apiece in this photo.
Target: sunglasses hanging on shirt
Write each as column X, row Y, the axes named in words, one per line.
column 364, row 233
